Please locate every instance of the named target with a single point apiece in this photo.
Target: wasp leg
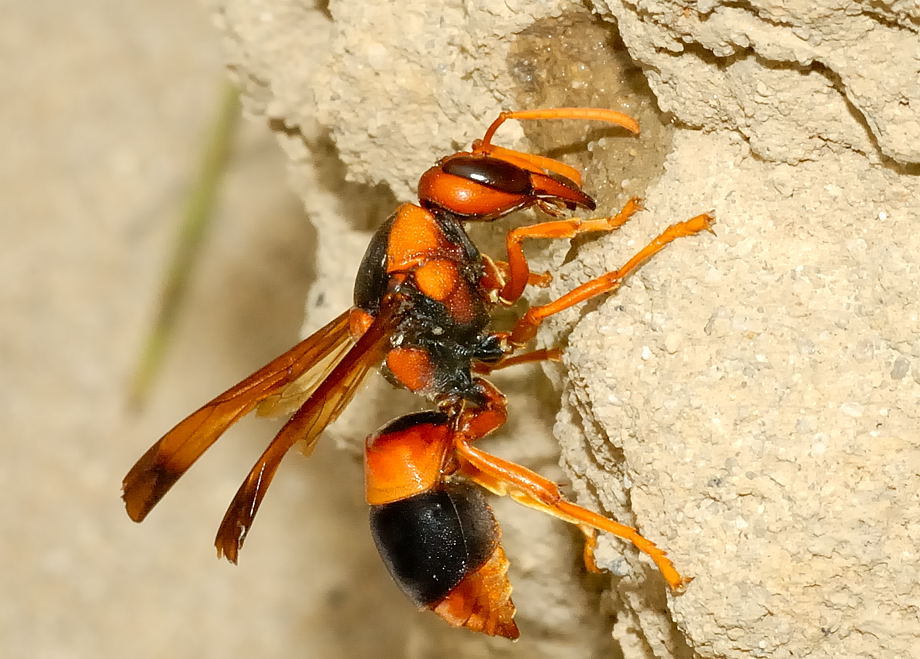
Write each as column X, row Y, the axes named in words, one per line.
column 503, row 477
column 549, row 354
column 527, row 326
column 538, row 279
column 488, row 415
column 569, row 512
column 596, row 114
column 590, row 545
column 535, row 163
column 519, row 271
column 496, row 273
column 530, row 489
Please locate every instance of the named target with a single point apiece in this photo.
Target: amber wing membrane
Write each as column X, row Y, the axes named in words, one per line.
column 286, row 401
column 165, row 462
column 321, row 408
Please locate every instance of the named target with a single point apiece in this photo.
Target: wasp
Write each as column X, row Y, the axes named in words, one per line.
column 424, row 299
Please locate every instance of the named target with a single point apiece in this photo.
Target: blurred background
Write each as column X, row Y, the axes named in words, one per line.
column 107, row 107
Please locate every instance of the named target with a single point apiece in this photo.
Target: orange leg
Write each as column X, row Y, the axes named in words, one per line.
column 527, row 326
column 530, row 489
column 594, row 114
column 519, row 271
column 573, row 514
column 590, row 546
column 535, row 163
column 551, row 354
column 503, row 477
column 538, row 279
column 495, row 274
column 490, row 415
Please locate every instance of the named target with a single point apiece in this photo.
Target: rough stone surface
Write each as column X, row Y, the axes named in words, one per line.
column 747, row 399
column 858, row 64
column 756, row 408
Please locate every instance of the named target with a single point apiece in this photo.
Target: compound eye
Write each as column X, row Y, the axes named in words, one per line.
column 491, row 172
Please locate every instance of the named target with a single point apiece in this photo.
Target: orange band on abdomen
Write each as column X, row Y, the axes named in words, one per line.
column 401, row 463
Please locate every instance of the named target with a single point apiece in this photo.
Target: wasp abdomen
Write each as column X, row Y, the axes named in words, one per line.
column 432, row 541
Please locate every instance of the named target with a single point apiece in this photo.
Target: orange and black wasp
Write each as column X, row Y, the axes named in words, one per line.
column 424, row 298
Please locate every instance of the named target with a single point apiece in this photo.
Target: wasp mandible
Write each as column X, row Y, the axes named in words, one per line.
column 424, row 298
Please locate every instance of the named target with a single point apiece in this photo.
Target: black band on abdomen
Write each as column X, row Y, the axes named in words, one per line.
column 431, row 541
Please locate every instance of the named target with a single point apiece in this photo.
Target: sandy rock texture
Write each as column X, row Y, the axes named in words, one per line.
column 748, row 400
column 859, row 63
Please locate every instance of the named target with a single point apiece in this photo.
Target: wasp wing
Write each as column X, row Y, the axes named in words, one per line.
column 310, row 361
column 321, row 408
column 287, row 399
